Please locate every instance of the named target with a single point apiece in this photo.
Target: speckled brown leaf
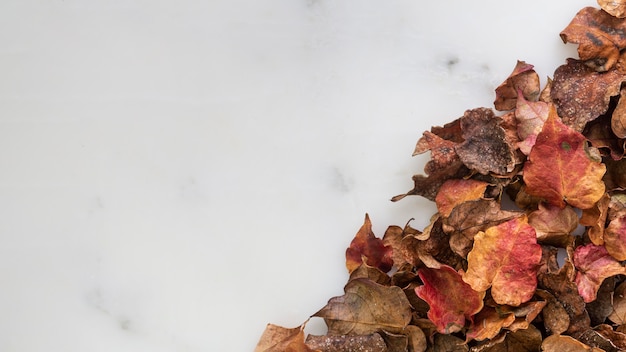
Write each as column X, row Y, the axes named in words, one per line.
column 618, row 316
column 488, row 323
column 366, row 246
column 524, row 79
column 506, row 258
column 365, row 308
column 594, row 219
column 485, row 148
column 594, row 264
column 552, row 224
column 562, row 343
column 561, row 169
column 452, row 302
column 344, row 343
column 616, row 8
column 457, row 191
column 530, row 117
column 599, row 36
column 468, row 218
column 279, row 339
column 582, row 94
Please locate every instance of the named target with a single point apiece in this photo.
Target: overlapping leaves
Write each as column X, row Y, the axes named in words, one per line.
column 526, row 251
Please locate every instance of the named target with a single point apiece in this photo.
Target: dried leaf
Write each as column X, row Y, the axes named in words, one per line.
column 528, row 340
column 615, row 237
column 616, row 8
column 599, row 37
column 594, row 264
column 447, row 343
column 582, row 94
column 555, row 317
column 451, row 300
column 457, row 191
column 365, row 308
column 506, row 258
column 552, row 224
column 366, row 246
column 618, row 316
column 279, row 339
column 530, row 116
column 488, row 323
column 618, row 118
column 561, row 343
column 595, row 219
column 523, row 79
column 346, row 343
column 524, row 314
column 560, row 168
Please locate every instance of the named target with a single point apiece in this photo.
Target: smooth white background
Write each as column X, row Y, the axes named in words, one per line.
column 177, row 174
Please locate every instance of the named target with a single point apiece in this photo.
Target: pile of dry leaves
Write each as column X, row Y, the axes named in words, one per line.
column 484, row 276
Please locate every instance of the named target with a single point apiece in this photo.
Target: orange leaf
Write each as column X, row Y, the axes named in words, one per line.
column 594, row 264
column 366, row 246
column 457, row 191
column 561, row 169
column 615, row 8
column 506, row 258
column 451, row 300
column 488, row 323
column 279, row 339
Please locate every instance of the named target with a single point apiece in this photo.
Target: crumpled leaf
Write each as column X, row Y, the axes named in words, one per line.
column 617, row 339
column 562, row 343
column 468, row 218
column 365, row 308
column 552, row 224
column 485, row 148
column 506, row 258
column 523, row 79
column 615, row 237
column 561, row 169
column 594, row 264
column 366, row 246
column 618, row 316
column 582, row 94
column 524, row 314
column 599, row 37
column 451, row 300
column 530, row 116
column 618, row 118
column 616, row 8
column 527, row 340
column 279, row 339
column 555, row 317
column 457, row 191
column 602, row 307
column 595, row 219
column 488, row 323
column 341, row 343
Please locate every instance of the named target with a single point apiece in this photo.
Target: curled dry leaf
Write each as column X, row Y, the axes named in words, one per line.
column 523, row 79
column 366, row 246
column 561, row 343
column 488, row 323
column 616, row 8
column 530, row 116
column 618, row 315
column 457, row 191
column 279, row 339
column 594, row 264
column 506, row 258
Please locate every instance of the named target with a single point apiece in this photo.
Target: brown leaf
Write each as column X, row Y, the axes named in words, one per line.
column 279, row 339
column 618, row 118
column 457, row 191
column 488, row 323
column 618, row 339
column 347, row 343
column 618, row 316
column 485, row 148
column 582, row 94
column 555, row 317
column 595, row 220
column 615, row 237
column 365, row 308
column 366, row 246
column 371, row 273
column 447, row 343
column 506, row 258
column 561, row 343
column 528, row 340
column 597, row 341
column 616, row 8
column 553, row 225
column 417, row 339
column 523, row 79
column 561, row 169
column 602, row 307
column 524, row 314
column 615, row 177
column 599, row 37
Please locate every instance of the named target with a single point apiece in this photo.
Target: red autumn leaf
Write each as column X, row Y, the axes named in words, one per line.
column 594, row 264
column 523, row 79
column 455, row 192
column 599, row 37
column 279, row 339
column 530, row 116
column 561, row 168
column 506, row 258
column 581, row 94
column 366, row 245
column 451, row 300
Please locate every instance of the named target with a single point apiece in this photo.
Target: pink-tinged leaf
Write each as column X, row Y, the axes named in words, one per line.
column 451, row 300
column 367, row 247
column 506, row 258
column 594, row 264
column 530, row 116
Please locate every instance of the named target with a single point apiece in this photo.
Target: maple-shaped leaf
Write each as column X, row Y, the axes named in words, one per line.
column 365, row 308
column 279, row 339
column 485, row 148
column 616, row 8
column 582, row 94
column 366, row 246
column 530, row 117
column 561, row 169
column 594, row 264
column 523, row 79
column 451, row 300
column 615, row 237
column 599, row 37
column 457, row 191
column 552, row 224
column 506, row 258
column 488, row 323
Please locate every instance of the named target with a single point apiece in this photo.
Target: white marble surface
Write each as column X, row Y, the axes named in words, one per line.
column 175, row 175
